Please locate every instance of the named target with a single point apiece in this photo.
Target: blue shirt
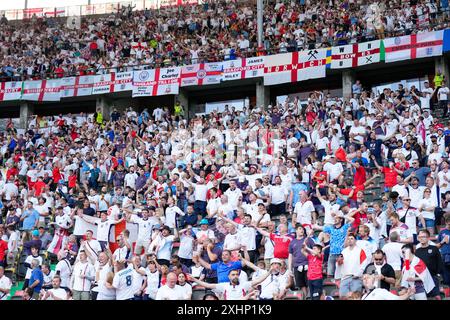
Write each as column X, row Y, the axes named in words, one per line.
column 421, row 174
column 337, row 237
column 224, row 268
column 37, row 274
column 30, row 220
column 445, row 249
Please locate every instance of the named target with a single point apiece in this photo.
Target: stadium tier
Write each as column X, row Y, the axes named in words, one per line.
column 162, row 155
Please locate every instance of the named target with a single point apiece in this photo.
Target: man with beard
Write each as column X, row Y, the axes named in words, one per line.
column 384, row 273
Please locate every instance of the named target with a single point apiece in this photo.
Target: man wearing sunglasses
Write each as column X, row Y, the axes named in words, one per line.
column 384, row 273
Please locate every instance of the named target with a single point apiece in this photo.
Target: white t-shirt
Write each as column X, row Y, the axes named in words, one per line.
column 165, row 247
column 248, row 237
column 82, row 269
column 233, row 197
column 380, row 294
column 328, row 208
column 29, row 259
column 411, row 218
column 393, row 251
column 186, row 247
column 334, row 170
column 322, row 143
column 103, row 228
column 186, row 291
column 121, row 254
column 5, row 283
column 145, row 227
column 171, row 214
column 426, row 203
column 167, row 293
column 278, row 194
column 443, row 93
column 304, row 212
column 268, row 248
column 123, row 282
column 138, row 279
column 65, row 271
column 152, row 283
column 232, row 241
column 59, row 293
column 231, row 292
column 358, row 130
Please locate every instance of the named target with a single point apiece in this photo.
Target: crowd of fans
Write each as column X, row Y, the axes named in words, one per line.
column 214, row 31
column 248, row 204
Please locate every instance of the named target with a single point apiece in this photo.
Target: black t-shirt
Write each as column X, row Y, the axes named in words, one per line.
column 89, row 211
column 432, row 258
column 386, row 271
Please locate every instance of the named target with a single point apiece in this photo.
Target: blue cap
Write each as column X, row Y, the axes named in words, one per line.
column 204, row 221
column 35, row 233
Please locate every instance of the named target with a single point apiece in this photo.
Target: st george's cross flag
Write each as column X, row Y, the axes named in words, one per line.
column 414, row 46
column 354, row 55
column 201, row 74
column 295, row 66
column 417, row 268
column 156, row 82
column 76, row 86
column 10, row 90
column 42, row 90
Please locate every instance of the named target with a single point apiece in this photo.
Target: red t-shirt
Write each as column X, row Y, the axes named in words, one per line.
column 3, row 248
column 72, row 181
column 38, row 186
column 11, row 172
column 56, row 175
column 321, row 178
column 390, row 177
column 347, row 191
column 360, row 176
column 208, row 194
column 281, row 245
column 315, row 267
column 360, row 218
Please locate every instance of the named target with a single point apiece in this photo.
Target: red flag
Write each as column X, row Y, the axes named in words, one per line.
column 341, row 155
column 118, row 228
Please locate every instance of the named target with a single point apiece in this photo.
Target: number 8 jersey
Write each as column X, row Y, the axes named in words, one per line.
column 123, row 282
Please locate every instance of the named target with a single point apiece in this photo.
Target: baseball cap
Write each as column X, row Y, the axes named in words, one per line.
column 204, row 221
column 35, row 233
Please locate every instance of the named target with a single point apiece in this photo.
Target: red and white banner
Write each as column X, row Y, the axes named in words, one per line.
column 156, row 82
column 175, row 3
column 113, row 82
column 357, row 54
column 243, row 68
column 77, row 86
column 10, row 90
column 422, row 45
column 295, row 66
column 42, row 90
column 201, row 74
